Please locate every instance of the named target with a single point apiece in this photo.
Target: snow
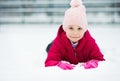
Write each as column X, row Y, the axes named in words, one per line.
column 22, row 54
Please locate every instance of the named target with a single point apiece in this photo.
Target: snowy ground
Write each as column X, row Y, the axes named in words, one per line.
column 22, row 54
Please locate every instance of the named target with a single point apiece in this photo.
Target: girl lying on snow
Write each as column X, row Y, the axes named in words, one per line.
column 73, row 43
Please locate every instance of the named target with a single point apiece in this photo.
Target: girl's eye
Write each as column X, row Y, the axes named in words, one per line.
column 79, row 28
column 71, row 28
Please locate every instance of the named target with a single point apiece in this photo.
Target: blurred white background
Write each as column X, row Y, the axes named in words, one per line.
column 27, row 26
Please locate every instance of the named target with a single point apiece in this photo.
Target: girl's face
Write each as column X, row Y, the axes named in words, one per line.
column 74, row 33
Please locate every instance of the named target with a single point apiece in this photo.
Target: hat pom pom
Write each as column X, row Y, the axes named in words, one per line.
column 76, row 3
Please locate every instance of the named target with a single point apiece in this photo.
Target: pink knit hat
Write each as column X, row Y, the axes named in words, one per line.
column 76, row 15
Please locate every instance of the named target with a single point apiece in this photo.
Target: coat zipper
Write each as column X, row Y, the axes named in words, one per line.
column 75, row 52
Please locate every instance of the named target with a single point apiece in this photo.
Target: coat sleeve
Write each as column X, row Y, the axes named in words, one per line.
column 95, row 52
column 56, row 51
column 54, row 54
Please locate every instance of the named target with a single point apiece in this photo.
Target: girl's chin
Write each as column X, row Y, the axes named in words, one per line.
column 74, row 40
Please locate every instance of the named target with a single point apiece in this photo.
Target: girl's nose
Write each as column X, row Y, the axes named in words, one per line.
column 75, row 32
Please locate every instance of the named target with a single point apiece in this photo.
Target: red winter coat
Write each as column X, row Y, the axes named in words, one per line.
column 62, row 50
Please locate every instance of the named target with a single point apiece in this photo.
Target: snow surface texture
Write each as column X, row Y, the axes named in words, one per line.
column 22, row 54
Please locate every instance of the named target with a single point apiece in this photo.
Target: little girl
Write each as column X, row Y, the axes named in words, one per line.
column 73, row 43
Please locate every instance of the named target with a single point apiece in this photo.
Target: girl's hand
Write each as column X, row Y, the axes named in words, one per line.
column 90, row 64
column 65, row 66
